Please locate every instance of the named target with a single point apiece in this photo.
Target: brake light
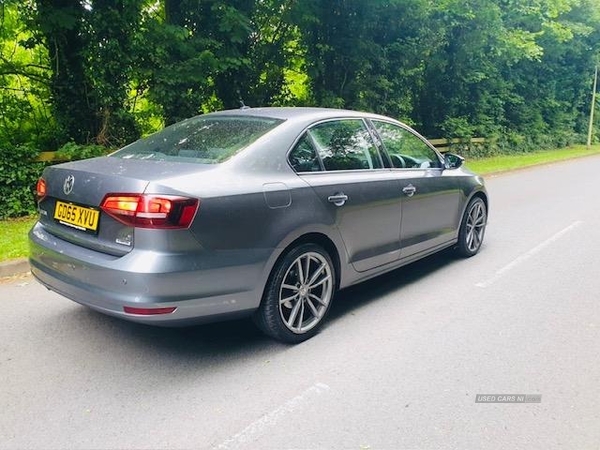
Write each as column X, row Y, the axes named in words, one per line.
column 151, row 211
column 40, row 190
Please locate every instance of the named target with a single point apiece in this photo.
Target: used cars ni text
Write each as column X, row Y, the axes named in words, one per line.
column 263, row 212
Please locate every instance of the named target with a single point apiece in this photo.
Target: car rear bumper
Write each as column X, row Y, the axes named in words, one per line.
column 201, row 288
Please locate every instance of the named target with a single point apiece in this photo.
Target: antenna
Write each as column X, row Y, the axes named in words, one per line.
column 241, row 100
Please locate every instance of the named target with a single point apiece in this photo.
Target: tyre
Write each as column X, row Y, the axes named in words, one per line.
column 298, row 295
column 472, row 228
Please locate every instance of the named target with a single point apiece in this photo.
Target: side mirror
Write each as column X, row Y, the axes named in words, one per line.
column 453, row 161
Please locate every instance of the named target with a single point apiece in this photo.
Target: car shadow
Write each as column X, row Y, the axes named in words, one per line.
column 363, row 294
column 233, row 339
column 208, row 339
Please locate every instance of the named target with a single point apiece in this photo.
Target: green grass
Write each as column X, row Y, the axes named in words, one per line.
column 510, row 162
column 13, row 237
column 13, row 233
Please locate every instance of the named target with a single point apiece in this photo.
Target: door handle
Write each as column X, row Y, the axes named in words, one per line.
column 409, row 190
column 338, row 199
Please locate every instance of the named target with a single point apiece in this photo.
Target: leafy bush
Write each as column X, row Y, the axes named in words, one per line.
column 73, row 152
column 458, row 127
column 18, row 178
column 19, row 174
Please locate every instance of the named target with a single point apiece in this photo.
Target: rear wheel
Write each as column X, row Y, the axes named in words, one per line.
column 472, row 228
column 298, row 295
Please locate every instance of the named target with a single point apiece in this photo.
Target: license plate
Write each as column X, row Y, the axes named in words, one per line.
column 84, row 219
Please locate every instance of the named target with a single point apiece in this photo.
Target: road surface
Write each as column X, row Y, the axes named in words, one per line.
column 399, row 365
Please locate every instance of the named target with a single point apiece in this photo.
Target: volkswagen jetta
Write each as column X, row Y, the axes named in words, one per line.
column 262, row 212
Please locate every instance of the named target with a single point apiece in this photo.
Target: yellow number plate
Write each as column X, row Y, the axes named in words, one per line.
column 85, row 219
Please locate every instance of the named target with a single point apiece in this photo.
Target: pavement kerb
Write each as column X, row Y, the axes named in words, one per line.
column 14, row 267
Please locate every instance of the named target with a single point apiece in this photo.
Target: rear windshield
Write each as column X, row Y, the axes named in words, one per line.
column 201, row 139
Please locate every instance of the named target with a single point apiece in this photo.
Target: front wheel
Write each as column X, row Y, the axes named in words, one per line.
column 298, row 295
column 472, row 228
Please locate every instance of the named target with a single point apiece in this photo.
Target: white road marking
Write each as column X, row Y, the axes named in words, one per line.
column 268, row 420
column 524, row 257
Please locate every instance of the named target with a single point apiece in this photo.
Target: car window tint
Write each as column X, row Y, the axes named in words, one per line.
column 345, row 145
column 204, row 140
column 406, row 149
column 303, row 157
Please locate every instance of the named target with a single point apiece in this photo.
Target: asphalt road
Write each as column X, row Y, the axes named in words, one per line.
column 399, row 365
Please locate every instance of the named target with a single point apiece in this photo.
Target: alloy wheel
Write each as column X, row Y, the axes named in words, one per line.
column 475, row 225
column 305, row 292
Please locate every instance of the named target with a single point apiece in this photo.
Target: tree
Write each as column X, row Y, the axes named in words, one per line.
column 24, row 83
column 111, row 69
column 60, row 24
column 334, row 34
column 111, row 29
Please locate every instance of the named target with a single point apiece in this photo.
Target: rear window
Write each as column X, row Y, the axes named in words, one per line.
column 201, row 139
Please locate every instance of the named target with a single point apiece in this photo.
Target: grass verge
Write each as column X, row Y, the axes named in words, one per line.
column 505, row 163
column 13, row 238
column 13, row 233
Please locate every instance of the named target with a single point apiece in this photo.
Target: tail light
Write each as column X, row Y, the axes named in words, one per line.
column 40, row 190
column 151, row 211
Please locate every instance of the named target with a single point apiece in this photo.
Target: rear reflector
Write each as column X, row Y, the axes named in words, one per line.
column 151, row 211
column 148, row 311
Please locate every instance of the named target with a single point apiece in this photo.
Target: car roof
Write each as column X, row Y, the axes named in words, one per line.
column 301, row 113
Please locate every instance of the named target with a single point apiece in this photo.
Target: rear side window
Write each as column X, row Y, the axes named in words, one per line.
column 303, row 156
column 201, row 139
column 345, row 145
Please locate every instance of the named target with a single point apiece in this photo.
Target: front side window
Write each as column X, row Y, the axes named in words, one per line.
column 345, row 145
column 202, row 139
column 406, row 150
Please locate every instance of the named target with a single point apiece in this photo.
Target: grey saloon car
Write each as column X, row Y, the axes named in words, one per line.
column 262, row 212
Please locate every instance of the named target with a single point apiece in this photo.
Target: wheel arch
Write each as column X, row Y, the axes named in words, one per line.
column 310, row 238
column 483, row 196
column 480, row 193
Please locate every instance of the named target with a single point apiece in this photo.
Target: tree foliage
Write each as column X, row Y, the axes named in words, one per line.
column 106, row 71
